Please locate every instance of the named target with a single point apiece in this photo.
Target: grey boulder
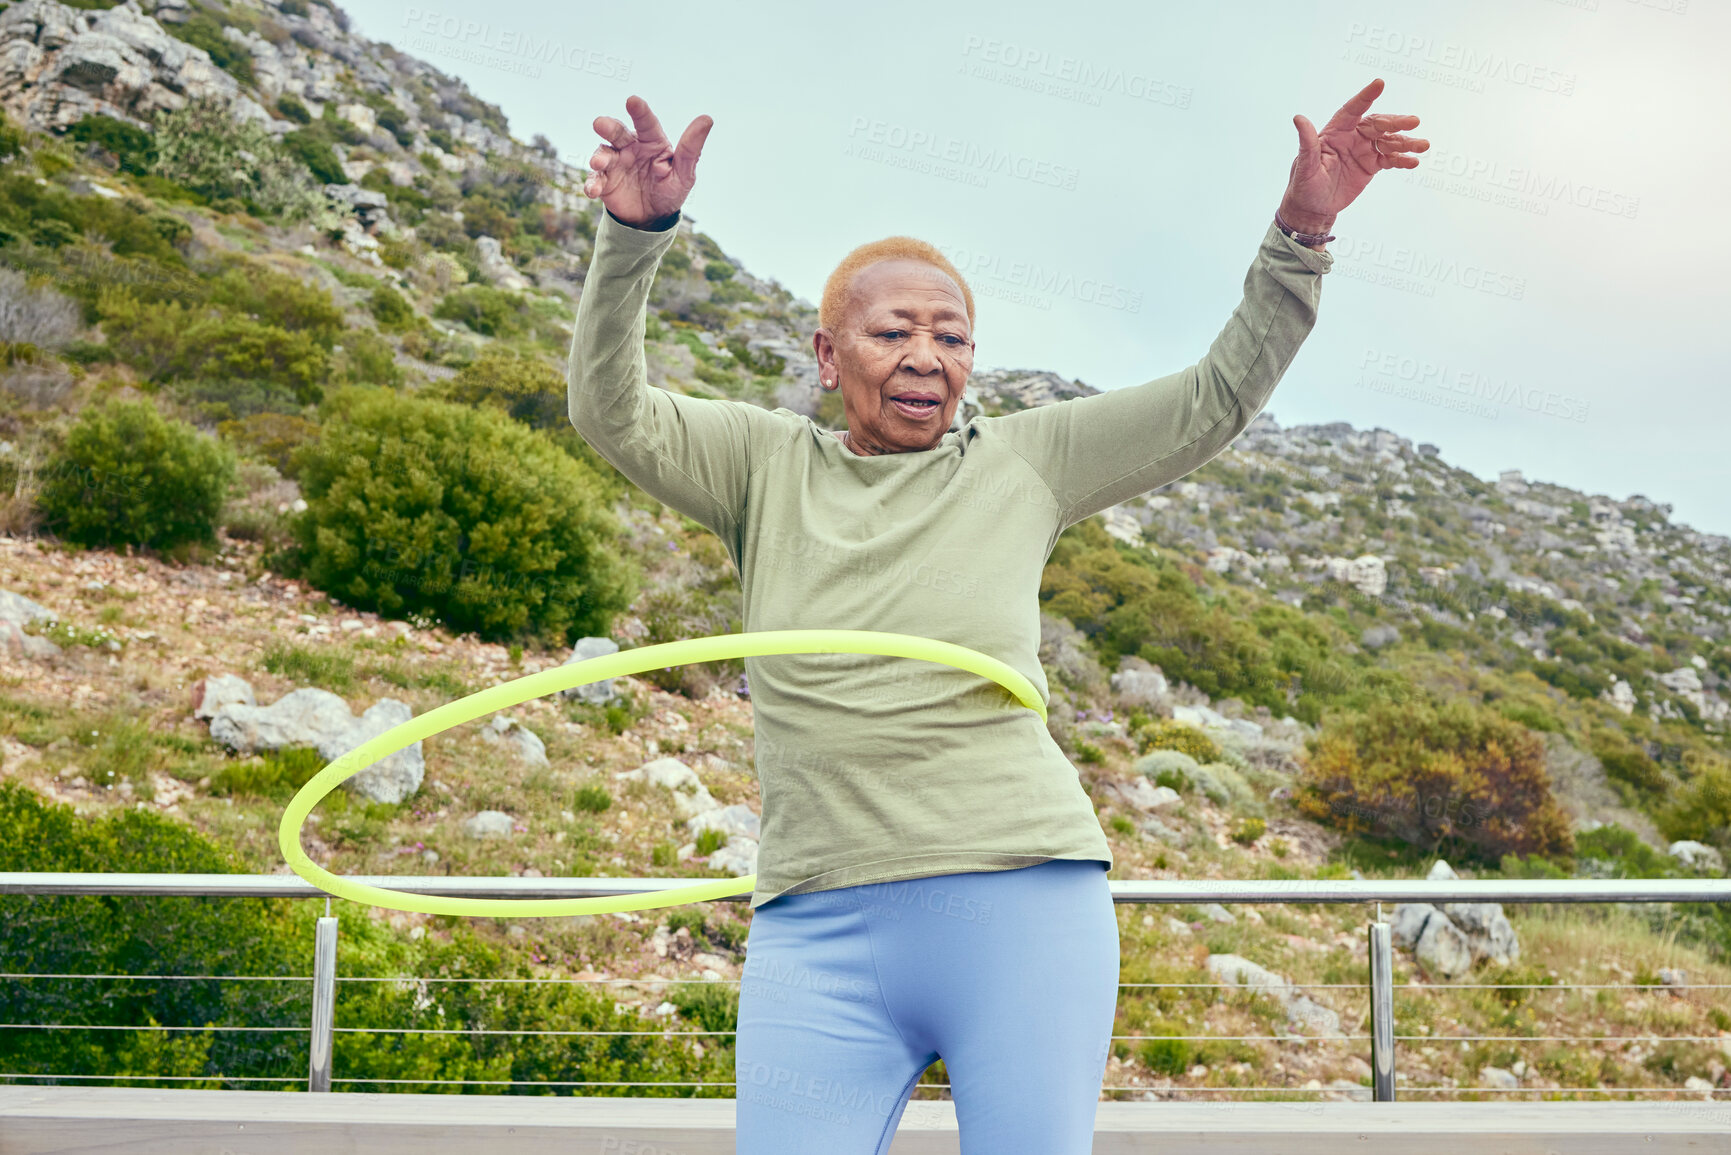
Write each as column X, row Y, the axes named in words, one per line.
column 318, row 718
column 517, row 738
column 593, row 693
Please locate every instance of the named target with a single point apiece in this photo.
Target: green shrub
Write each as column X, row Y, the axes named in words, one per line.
column 166, row 340
column 1623, row 851
column 312, row 150
column 1248, row 830
column 1171, row 768
column 710, row 606
column 1089, row 754
column 1167, row 735
column 203, row 148
column 289, row 104
column 709, row 840
column 422, row 507
column 707, row 1006
column 663, row 854
column 1122, row 825
column 276, row 774
column 11, row 138
column 201, row 30
column 526, row 387
column 1626, row 762
column 1701, row 810
column 134, row 147
column 126, row 476
column 1457, row 776
column 391, row 309
column 488, row 311
column 592, row 798
column 271, row 436
column 1162, row 1052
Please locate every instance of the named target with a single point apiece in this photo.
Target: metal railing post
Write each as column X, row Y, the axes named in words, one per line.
column 1381, row 1012
column 324, row 1004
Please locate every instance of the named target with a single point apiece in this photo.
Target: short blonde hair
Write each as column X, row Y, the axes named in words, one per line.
column 836, row 289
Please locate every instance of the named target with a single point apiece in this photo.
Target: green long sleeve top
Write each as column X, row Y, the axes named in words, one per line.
column 876, row 769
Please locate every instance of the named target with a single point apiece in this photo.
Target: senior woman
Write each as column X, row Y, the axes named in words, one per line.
column 932, row 875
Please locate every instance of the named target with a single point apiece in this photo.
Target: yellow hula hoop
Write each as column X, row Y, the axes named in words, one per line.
column 766, row 643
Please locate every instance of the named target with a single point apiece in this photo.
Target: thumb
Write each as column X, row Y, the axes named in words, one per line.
column 1307, row 139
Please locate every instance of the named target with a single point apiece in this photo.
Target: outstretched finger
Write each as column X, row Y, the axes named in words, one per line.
column 648, row 127
column 1355, row 108
column 1397, row 143
column 690, row 146
column 1390, row 122
column 612, row 131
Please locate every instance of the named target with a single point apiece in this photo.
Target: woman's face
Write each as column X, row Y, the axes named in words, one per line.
column 902, row 356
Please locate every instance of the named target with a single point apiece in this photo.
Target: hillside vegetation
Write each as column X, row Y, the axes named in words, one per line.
column 282, row 397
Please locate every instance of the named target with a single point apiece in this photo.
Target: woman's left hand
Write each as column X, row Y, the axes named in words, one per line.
column 1335, row 165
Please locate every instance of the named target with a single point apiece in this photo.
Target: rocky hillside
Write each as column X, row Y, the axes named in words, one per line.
column 1287, row 588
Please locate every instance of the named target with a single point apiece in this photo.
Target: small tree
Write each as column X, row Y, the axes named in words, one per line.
column 1455, row 777
column 424, row 507
column 204, row 148
column 127, row 476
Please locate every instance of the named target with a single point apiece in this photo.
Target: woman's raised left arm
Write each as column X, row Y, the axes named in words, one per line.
column 1094, row 452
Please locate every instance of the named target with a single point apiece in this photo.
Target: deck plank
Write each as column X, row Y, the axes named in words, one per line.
column 39, row 1120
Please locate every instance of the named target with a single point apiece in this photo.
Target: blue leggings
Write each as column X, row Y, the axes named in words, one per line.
column 848, row 995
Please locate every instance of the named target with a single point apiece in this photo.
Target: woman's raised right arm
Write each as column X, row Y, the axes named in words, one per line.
column 693, row 454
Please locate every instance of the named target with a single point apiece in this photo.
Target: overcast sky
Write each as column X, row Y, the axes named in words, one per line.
column 1541, row 293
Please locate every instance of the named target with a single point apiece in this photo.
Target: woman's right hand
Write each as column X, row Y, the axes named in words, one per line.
column 639, row 176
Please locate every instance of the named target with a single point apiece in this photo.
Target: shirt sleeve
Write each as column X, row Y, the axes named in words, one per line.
column 694, row 454
column 1094, row 452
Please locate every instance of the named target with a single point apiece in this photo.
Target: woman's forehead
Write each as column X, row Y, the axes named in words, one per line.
column 901, row 284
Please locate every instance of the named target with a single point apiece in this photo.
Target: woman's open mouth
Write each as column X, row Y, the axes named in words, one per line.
column 918, row 408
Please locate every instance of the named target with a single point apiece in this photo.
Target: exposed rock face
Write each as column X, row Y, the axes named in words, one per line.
column 738, row 857
column 516, row 737
column 209, row 695
column 738, row 819
column 1302, row 1012
column 370, row 207
column 1697, row 856
column 1139, row 686
column 1442, row 948
column 493, row 263
column 319, row 718
column 1450, row 940
column 690, row 795
column 489, row 824
column 20, row 609
column 594, row 693
column 60, row 64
